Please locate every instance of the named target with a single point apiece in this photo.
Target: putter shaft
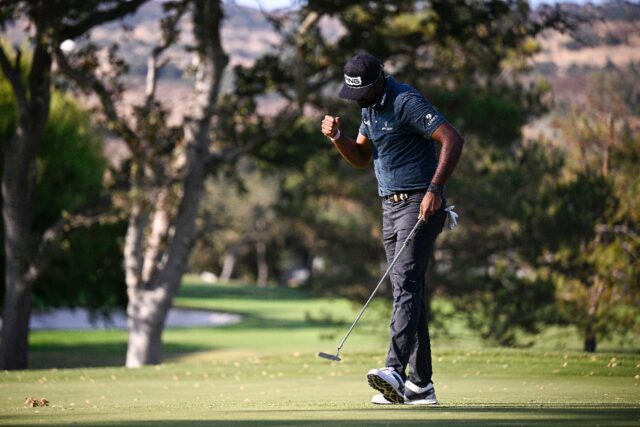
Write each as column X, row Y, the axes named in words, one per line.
column 384, row 276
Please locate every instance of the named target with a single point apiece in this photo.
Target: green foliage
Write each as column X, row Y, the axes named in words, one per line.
column 528, row 237
column 596, row 268
column 490, row 262
column 237, row 213
column 563, row 218
column 8, row 116
column 586, row 225
column 494, row 114
column 462, row 56
column 506, row 304
column 86, row 269
column 70, row 164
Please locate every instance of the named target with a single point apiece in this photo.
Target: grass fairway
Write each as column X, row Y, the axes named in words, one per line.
column 490, row 387
column 263, row 371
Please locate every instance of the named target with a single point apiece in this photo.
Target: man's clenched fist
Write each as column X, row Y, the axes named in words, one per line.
column 330, row 126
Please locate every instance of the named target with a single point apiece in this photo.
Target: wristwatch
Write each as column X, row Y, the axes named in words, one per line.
column 435, row 188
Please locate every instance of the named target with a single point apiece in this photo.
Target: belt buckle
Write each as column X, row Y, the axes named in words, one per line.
column 398, row 197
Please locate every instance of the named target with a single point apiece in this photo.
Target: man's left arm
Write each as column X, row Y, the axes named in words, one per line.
column 451, row 144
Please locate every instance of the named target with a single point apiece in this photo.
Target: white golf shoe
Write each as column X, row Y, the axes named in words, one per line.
column 414, row 395
column 388, row 382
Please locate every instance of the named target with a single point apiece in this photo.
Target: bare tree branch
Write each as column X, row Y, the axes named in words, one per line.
column 170, row 34
column 93, row 20
column 38, row 264
column 617, row 229
column 83, row 217
column 91, row 83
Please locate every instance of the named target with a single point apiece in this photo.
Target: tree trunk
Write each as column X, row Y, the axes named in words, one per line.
column 607, row 147
column 15, row 324
column 263, row 267
column 23, row 261
column 228, row 265
column 138, row 219
column 595, row 292
column 146, row 314
column 590, row 342
column 18, row 184
column 16, row 211
column 151, row 298
column 167, row 252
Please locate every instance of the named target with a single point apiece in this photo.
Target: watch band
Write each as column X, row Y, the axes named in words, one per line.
column 336, row 136
column 435, row 188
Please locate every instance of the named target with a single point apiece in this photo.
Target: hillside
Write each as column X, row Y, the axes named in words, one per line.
column 606, row 34
column 609, row 34
column 246, row 35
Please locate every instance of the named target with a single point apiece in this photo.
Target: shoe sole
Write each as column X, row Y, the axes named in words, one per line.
column 421, row 402
column 385, row 402
column 385, row 388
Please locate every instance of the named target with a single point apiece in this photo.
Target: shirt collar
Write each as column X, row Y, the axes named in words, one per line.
column 382, row 102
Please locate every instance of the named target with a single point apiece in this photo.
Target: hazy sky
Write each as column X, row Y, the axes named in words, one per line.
column 276, row 4
column 266, row 4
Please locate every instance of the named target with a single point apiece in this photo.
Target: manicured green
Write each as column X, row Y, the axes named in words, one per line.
column 263, row 371
column 275, row 321
column 491, row 387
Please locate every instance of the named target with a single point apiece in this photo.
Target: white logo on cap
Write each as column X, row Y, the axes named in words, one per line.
column 352, row 81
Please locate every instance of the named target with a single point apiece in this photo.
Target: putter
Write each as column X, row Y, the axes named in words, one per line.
column 336, row 357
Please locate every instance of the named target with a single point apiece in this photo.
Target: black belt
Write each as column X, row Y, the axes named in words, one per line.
column 398, row 197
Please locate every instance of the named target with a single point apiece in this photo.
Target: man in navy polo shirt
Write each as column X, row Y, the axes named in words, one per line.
column 398, row 130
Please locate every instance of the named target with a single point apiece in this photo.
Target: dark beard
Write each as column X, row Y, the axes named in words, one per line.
column 372, row 100
column 366, row 104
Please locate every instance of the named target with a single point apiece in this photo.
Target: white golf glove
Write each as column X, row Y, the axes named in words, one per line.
column 452, row 216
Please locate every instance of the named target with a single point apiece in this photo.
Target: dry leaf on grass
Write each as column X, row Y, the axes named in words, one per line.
column 32, row 402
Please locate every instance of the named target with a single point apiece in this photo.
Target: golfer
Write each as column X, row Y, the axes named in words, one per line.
column 398, row 130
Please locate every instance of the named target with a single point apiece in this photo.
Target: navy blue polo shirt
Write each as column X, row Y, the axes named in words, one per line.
column 399, row 128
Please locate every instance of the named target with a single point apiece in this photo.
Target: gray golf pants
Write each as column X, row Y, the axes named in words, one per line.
column 409, row 331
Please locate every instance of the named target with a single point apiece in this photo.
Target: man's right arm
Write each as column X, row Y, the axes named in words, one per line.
column 356, row 152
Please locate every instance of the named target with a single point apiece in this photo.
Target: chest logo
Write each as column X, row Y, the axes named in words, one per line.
column 386, row 126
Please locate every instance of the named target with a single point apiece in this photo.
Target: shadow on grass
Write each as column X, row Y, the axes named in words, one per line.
column 104, row 354
column 443, row 416
column 242, row 292
column 95, row 355
column 253, row 322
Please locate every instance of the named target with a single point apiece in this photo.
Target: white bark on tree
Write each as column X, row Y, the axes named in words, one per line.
column 165, row 190
column 26, row 252
column 163, row 267
column 263, row 266
column 228, row 265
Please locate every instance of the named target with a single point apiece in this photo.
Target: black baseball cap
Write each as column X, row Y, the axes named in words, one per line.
column 360, row 72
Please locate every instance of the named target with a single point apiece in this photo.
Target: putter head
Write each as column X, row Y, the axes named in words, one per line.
column 329, row 356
